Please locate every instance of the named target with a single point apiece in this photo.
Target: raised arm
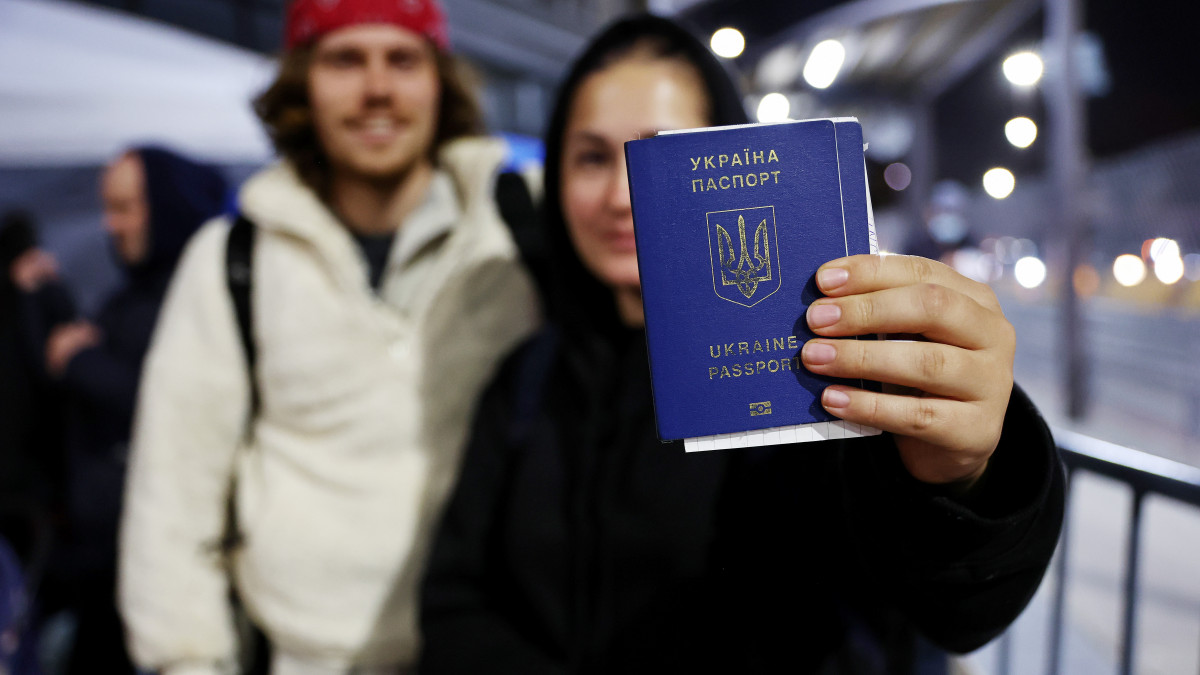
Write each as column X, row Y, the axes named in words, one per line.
column 960, row 566
column 960, row 507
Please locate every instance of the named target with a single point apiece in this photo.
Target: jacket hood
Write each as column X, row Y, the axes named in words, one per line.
column 277, row 199
column 182, row 195
column 576, row 299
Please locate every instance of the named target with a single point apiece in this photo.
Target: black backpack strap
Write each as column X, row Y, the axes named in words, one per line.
column 515, row 202
column 254, row 650
column 519, row 212
column 239, row 267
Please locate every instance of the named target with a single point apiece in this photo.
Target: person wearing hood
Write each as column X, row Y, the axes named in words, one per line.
column 576, row 542
column 154, row 200
column 30, row 412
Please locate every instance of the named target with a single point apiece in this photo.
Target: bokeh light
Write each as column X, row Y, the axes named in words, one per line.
column 1146, row 249
column 774, row 107
column 1163, row 248
column 1168, row 269
column 999, row 182
column 1021, row 132
column 728, row 43
column 1030, row 272
column 898, row 176
column 1086, row 281
column 1004, row 250
column 1129, row 270
column 824, row 63
column 1023, row 69
column 976, row 264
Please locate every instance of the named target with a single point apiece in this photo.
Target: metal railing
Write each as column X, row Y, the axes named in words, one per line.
column 1143, row 474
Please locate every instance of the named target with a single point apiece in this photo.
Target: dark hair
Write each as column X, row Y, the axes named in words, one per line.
column 286, row 112
column 576, row 298
column 18, row 234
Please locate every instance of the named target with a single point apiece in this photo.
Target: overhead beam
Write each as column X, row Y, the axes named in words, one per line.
column 496, row 50
column 1010, row 17
column 856, row 13
column 513, row 40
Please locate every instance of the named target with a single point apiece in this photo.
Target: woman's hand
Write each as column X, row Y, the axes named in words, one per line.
column 945, row 395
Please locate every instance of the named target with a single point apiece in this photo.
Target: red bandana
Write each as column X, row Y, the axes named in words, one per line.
column 308, row 20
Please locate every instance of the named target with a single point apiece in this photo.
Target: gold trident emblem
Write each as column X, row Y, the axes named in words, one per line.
column 748, row 273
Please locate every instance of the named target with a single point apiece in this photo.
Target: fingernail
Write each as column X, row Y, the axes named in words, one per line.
column 818, row 353
column 831, row 278
column 822, row 315
column 835, row 398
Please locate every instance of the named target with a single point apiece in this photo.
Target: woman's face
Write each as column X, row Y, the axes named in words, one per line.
column 632, row 98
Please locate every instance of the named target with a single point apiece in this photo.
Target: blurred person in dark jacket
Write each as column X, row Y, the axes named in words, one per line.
column 576, row 542
column 154, row 199
column 30, row 423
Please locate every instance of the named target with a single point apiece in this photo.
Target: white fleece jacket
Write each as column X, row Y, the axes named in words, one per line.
column 366, row 399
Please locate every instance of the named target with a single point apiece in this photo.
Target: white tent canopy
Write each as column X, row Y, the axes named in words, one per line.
column 80, row 83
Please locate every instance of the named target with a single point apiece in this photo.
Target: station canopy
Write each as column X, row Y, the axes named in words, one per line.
column 80, row 83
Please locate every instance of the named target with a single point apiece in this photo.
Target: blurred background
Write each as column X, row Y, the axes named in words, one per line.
column 1050, row 148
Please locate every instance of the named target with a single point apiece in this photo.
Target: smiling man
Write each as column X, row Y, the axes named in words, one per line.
column 383, row 289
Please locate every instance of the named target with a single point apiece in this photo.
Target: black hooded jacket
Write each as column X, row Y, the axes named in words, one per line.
column 100, row 383
column 30, row 448
column 576, row 542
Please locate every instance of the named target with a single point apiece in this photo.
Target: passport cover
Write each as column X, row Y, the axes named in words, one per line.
column 731, row 224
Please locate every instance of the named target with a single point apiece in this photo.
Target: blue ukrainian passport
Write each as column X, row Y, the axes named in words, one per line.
column 731, row 225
